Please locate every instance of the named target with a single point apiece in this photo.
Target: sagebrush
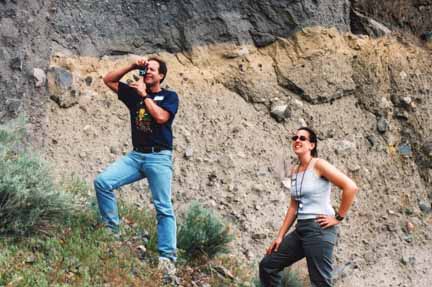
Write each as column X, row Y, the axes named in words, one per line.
column 28, row 196
column 290, row 278
column 203, row 233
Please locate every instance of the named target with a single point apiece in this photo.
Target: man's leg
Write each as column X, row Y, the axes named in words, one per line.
column 121, row 172
column 158, row 170
column 290, row 251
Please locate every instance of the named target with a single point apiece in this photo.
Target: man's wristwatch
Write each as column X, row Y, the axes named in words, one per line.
column 339, row 217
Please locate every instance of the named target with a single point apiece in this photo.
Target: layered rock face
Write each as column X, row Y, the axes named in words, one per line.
column 32, row 30
column 121, row 27
column 247, row 75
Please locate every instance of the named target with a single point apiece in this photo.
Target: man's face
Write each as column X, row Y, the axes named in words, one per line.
column 152, row 76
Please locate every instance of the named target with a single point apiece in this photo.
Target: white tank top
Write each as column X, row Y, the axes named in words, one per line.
column 313, row 196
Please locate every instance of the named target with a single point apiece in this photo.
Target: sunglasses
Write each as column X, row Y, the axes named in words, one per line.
column 302, row 138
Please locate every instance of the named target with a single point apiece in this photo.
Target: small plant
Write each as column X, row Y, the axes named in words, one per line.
column 290, row 278
column 256, row 282
column 76, row 186
column 203, row 234
column 28, row 197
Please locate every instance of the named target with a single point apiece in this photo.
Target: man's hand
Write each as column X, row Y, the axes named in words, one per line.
column 140, row 87
column 140, row 63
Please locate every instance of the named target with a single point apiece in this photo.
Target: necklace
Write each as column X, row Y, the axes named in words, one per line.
column 299, row 194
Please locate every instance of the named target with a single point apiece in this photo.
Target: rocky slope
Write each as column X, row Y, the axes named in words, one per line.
column 242, row 96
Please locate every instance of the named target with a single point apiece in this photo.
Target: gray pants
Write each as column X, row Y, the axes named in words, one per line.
column 307, row 240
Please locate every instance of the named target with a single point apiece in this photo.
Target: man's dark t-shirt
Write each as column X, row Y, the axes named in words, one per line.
column 145, row 131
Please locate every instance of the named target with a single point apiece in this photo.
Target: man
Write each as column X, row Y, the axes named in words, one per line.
column 152, row 111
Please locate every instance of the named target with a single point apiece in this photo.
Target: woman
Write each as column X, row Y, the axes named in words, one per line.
column 315, row 233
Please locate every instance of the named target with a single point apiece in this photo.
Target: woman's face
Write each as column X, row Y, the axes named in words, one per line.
column 301, row 143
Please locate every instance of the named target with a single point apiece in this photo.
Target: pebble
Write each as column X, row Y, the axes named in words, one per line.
column 372, row 140
column 62, row 78
column 286, row 183
column 188, row 152
column 279, row 112
column 408, row 211
column 353, row 167
column 391, row 227
column 16, row 64
column 402, row 115
column 406, row 101
column 298, row 103
column 408, row 238
column 262, row 171
column 344, row 146
column 40, row 77
column 88, row 80
column 409, row 227
column 382, row 125
column 30, row 259
column 259, row 236
column 302, row 123
column 405, row 149
column 427, row 147
column 425, row 207
column 113, row 150
column 405, row 260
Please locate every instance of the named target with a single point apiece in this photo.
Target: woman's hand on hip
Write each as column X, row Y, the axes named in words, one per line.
column 274, row 246
column 326, row 221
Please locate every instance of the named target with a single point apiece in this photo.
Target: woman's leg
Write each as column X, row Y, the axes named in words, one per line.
column 290, row 251
column 319, row 254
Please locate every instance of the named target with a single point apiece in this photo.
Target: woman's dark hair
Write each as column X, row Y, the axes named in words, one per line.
column 312, row 138
column 162, row 66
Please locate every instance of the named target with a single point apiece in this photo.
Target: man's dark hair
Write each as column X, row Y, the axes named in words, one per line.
column 162, row 67
column 313, row 139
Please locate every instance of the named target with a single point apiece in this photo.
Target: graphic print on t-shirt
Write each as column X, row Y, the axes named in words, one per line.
column 143, row 120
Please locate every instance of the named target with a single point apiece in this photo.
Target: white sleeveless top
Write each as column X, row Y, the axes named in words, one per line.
column 313, row 195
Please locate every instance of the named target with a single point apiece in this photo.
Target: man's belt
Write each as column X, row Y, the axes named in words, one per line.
column 150, row 149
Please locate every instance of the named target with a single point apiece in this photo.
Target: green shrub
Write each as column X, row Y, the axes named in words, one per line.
column 76, row 185
column 290, row 278
column 256, row 282
column 28, row 197
column 203, row 234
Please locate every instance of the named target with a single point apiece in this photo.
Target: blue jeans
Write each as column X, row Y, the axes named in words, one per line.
column 157, row 168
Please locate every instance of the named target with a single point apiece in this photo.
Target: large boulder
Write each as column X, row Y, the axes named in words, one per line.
column 60, row 86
